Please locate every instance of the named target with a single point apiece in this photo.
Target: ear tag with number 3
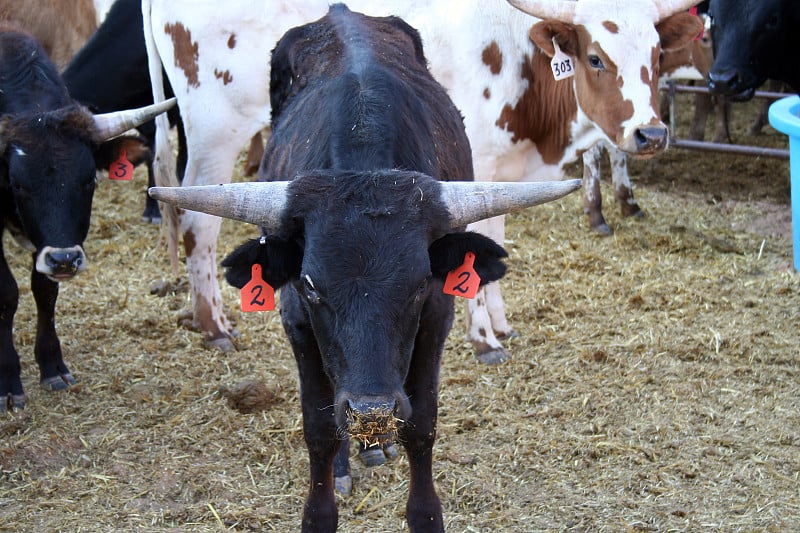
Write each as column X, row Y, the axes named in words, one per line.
column 561, row 64
column 121, row 169
column 463, row 281
column 257, row 294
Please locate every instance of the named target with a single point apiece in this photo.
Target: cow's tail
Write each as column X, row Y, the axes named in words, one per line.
column 163, row 158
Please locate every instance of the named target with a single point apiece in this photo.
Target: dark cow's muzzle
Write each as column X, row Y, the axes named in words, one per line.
column 61, row 264
column 730, row 83
column 373, row 419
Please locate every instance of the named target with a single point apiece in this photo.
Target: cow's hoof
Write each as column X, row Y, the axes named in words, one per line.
column 343, row 485
column 638, row 214
column 390, row 451
column 156, row 221
column 61, row 382
column 603, row 229
column 223, row 344
column 13, row 402
column 494, row 357
column 506, row 336
column 372, row 456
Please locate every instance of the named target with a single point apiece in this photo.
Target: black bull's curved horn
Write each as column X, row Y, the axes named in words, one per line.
column 109, row 125
column 261, row 203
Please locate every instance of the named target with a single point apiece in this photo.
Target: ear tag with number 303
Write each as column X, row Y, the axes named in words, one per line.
column 257, row 294
column 561, row 64
column 463, row 281
column 121, row 169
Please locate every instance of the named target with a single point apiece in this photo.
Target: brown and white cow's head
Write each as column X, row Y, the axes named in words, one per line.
column 615, row 46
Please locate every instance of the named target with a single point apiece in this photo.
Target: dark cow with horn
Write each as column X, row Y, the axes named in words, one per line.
column 110, row 73
column 362, row 238
column 751, row 43
column 50, row 148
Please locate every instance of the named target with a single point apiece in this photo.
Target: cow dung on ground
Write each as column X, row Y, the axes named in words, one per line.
column 653, row 386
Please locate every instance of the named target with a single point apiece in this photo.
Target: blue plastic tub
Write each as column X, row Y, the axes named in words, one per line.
column 783, row 116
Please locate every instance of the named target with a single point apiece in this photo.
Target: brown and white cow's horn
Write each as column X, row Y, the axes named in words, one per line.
column 109, row 125
column 668, row 7
column 563, row 10
column 472, row 201
column 258, row 203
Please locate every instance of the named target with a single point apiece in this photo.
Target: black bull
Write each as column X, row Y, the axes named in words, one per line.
column 50, row 149
column 753, row 42
column 362, row 251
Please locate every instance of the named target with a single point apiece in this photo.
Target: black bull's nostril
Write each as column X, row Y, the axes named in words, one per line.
column 724, row 82
column 372, row 421
column 64, row 261
column 651, row 139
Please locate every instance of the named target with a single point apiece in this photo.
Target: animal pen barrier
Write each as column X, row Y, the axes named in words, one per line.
column 782, row 118
column 673, row 88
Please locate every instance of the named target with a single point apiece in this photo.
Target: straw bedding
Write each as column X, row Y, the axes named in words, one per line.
column 653, row 386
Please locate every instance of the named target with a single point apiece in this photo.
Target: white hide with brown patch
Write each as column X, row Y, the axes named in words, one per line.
column 484, row 57
column 217, row 61
column 222, row 94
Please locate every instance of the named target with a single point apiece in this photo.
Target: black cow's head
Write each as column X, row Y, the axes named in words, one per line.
column 753, row 41
column 48, row 164
column 364, row 256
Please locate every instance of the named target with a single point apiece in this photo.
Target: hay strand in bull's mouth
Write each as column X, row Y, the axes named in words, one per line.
column 372, row 428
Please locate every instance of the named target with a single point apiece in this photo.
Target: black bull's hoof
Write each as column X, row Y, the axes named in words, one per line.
column 16, row 402
column 13, row 402
column 60, row 382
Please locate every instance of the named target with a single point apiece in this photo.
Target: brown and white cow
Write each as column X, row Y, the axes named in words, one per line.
column 492, row 58
column 691, row 62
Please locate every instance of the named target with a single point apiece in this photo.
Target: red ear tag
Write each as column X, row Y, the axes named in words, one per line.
column 121, row 169
column 257, row 295
column 463, row 281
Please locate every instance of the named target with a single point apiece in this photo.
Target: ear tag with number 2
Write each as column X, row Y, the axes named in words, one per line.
column 121, row 169
column 561, row 64
column 257, row 294
column 463, row 281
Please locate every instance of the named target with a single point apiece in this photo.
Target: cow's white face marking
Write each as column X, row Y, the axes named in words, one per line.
column 20, row 152
column 631, row 49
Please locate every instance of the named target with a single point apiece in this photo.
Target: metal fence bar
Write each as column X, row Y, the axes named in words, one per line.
column 737, row 149
column 703, row 146
column 702, row 89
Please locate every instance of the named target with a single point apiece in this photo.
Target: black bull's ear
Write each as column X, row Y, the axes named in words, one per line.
column 280, row 262
column 448, row 253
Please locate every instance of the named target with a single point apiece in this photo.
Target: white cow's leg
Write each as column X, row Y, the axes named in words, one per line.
column 494, row 298
column 481, row 313
column 592, row 200
column 200, row 232
column 621, row 181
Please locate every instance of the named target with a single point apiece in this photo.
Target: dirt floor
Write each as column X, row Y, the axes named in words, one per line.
column 653, row 387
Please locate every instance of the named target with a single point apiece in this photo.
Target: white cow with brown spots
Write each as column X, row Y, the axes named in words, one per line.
column 493, row 59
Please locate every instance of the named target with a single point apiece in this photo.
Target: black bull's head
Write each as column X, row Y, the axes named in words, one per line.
column 751, row 40
column 49, row 162
column 364, row 257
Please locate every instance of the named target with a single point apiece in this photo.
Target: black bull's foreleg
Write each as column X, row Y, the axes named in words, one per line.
column 11, row 393
column 53, row 372
column 424, row 510
column 319, row 426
